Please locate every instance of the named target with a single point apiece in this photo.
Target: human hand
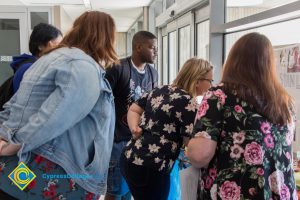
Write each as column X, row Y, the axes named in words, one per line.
column 136, row 132
column 7, row 149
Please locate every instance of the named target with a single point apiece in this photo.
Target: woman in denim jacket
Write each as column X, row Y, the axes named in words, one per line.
column 60, row 123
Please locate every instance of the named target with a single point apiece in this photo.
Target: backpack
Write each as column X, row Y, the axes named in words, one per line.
column 6, row 89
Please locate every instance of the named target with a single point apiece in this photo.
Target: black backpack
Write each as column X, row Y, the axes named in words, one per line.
column 6, row 89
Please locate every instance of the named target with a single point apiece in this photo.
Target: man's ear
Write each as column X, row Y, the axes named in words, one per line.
column 139, row 46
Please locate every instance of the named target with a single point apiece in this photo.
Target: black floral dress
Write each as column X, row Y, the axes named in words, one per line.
column 169, row 116
column 253, row 156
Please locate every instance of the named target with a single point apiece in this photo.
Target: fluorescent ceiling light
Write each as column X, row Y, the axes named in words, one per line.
column 87, row 4
column 119, row 4
column 242, row 3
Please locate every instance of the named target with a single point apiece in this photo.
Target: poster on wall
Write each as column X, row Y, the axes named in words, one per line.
column 288, row 70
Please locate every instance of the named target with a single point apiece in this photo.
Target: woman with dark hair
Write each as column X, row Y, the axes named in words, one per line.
column 244, row 129
column 61, row 120
column 42, row 39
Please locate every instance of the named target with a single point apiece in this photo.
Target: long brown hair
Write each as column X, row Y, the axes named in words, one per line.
column 193, row 70
column 250, row 71
column 94, row 33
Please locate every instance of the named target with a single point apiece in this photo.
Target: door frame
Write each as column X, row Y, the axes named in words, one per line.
column 22, row 17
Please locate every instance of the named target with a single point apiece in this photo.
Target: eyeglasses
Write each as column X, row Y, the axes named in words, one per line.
column 209, row 80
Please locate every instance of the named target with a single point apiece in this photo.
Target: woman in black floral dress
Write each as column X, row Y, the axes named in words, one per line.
column 166, row 116
column 244, row 129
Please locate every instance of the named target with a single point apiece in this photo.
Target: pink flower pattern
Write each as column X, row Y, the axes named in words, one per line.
column 260, row 171
column 253, row 155
column 202, row 109
column 236, row 151
column 289, row 137
column 252, row 191
column 213, row 173
column 230, row 191
column 276, row 180
column 269, row 141
column 238, row 108
column 208, row 182
column 285, row 193
column 221, row 96
column 238, row 138
column 265, row 127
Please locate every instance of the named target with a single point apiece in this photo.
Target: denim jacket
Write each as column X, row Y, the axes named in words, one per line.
column 64, row 111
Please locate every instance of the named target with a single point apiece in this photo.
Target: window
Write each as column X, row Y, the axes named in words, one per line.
column 172, row 56
column 184, row 44
column 237, row 9
column 9, row 45
column 203, row 40
column 38, row 17
column 283, row 33
column 136, row 27
column 165, row 65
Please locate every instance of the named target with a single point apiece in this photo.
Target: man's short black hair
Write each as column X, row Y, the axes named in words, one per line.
column 41, row 35
column 141, row 36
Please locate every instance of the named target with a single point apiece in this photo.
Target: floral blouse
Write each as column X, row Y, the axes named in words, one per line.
column 253, row 156
column 169, row 114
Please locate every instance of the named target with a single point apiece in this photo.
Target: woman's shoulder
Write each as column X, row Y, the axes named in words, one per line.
column 72, row 54
column 172, row 91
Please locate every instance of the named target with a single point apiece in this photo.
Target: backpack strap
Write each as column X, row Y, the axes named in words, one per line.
column 153, row 75
column 6, row 91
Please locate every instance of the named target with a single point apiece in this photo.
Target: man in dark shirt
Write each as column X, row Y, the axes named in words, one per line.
column 129, row 80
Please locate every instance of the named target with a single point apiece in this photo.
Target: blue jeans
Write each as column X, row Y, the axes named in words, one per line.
column 116, row 184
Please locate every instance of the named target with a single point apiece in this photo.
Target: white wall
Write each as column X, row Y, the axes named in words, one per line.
column 65, row 21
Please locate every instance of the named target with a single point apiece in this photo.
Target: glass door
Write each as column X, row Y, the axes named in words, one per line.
column 184, row 45
column 13, row 36
column 173, row 70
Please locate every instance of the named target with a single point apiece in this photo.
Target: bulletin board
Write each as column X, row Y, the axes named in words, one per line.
column 288, row 70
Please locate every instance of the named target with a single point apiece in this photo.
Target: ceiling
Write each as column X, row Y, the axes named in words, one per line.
column 124, row 12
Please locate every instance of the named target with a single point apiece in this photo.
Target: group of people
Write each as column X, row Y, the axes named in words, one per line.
column 81, row 110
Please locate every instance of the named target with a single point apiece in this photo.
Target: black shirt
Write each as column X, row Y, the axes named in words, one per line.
column 126, row 82
column 169, row 113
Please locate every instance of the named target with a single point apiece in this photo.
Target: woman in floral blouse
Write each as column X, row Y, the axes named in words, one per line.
column 159, row 122
column 244, row 129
